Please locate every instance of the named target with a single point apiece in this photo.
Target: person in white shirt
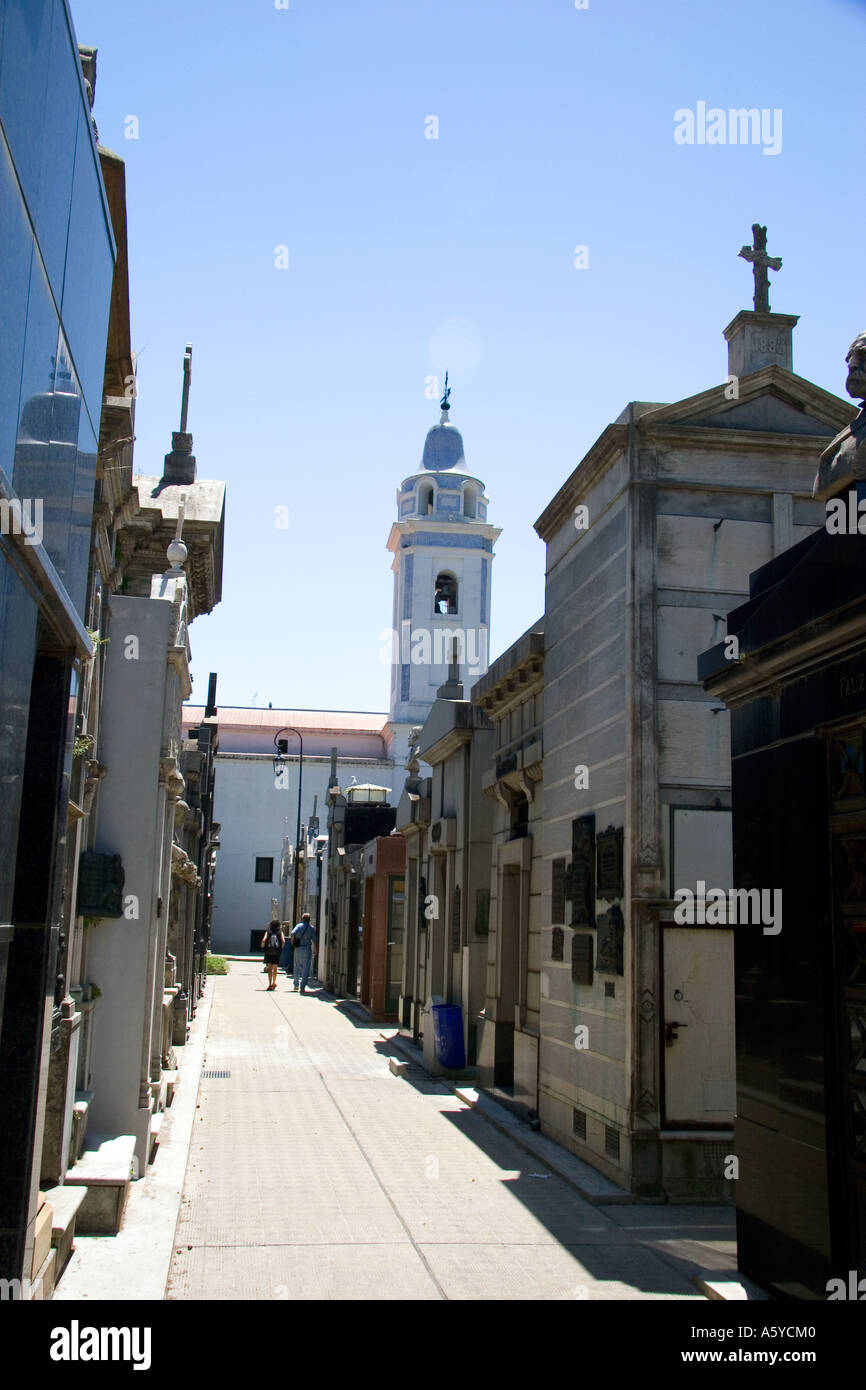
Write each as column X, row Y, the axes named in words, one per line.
column 303, row 935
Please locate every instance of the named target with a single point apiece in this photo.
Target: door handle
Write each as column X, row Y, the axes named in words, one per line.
column 671, row 1033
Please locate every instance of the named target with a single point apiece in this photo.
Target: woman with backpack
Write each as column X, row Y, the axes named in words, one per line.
column 272, row 943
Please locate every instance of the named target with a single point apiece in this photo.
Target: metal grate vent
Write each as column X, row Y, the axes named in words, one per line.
column 215, row 1075
column 578, row 1123
column 609, row 989
column 611, row 1141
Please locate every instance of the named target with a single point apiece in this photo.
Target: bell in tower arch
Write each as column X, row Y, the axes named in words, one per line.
column 445, row 594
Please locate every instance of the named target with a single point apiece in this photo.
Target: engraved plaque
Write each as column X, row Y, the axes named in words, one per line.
column 583, row 871
column 100, row 884
column 608, row 960
column 581, row 958
column 557, row 942
column 557, row 892
column 482, row 911
column 609, row 864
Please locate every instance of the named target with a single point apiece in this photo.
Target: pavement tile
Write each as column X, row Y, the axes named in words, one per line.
column 552, row 1272
column 327, row 1272
column 312, row 1163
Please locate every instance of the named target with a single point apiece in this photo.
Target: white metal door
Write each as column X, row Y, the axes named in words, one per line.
column 698, row 1026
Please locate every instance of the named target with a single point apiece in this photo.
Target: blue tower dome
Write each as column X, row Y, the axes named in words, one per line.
column 443, row 448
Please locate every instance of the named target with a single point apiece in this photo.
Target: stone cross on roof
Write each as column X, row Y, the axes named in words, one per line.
column 452, row 689
column 187, row 376
column 179, row 466
column 761, row 263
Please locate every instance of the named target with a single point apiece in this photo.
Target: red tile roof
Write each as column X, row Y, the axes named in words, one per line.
column 324, row 721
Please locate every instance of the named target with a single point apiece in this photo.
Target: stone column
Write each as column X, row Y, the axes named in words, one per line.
column 62, row 1072
column 643, row 833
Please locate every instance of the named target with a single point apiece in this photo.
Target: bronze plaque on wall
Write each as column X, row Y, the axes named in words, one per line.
column 581, row 958
column 609, row 864
column 583, row 871
column 608, row 960
column 100, row 884
column 557, row 892
column 482, row 911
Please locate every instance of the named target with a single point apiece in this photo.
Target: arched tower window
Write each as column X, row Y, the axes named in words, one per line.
column 425, row 499
column 470, row 500
column 445, row 594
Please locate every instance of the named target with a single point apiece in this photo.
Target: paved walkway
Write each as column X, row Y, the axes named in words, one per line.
column 313, row 1167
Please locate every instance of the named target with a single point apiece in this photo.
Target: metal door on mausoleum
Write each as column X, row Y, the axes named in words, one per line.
column 847, row 786
column 395, row 942
column 353, row 944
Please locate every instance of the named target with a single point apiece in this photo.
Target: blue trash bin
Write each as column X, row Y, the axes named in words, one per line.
column 448, row 1036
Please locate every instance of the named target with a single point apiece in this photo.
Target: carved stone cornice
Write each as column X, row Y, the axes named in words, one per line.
column 178, row 659
column 170, row 777
column 183, row 868
column 513, row 678
column 95, row 771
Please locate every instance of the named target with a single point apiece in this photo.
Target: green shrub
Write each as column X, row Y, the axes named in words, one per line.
column 216, row 965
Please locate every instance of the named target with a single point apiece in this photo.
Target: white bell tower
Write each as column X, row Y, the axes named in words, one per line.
column 443, row 553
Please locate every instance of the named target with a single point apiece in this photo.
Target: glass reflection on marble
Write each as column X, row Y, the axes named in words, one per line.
column 18, row 617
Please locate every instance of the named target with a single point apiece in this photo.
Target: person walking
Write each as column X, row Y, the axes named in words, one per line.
column 272, row 944
column 303, row 934
column 286, row 957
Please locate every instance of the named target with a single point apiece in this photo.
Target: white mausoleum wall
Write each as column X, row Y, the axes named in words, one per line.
column 255, row 816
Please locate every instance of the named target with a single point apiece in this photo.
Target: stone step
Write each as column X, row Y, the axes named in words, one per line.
column 42, row 1287
column 105, row 1170
column 65, row 1202
column 41, row 1236
column 156, row 1120
column 159, row 1093
column 80, row 1109
column 169, row 1076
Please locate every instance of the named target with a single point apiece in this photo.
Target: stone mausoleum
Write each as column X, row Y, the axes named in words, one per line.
column 650, row 543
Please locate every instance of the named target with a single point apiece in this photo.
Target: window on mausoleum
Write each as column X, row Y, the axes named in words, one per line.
column 425, row 499
column 519, row 818
column 264, row 870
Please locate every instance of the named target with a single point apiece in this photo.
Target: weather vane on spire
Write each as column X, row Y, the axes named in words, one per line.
column 445, row 403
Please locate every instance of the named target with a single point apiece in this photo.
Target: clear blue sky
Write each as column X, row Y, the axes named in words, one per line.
column 305, row 127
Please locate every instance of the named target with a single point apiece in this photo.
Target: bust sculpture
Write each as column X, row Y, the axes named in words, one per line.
column 843, row 462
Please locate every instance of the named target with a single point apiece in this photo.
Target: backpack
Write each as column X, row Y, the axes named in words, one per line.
column 299, row 935
column 273, row 941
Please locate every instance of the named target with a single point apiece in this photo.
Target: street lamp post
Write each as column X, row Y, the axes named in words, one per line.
column 277, row 764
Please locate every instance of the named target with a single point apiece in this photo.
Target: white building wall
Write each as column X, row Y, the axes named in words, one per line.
column 254, row 816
